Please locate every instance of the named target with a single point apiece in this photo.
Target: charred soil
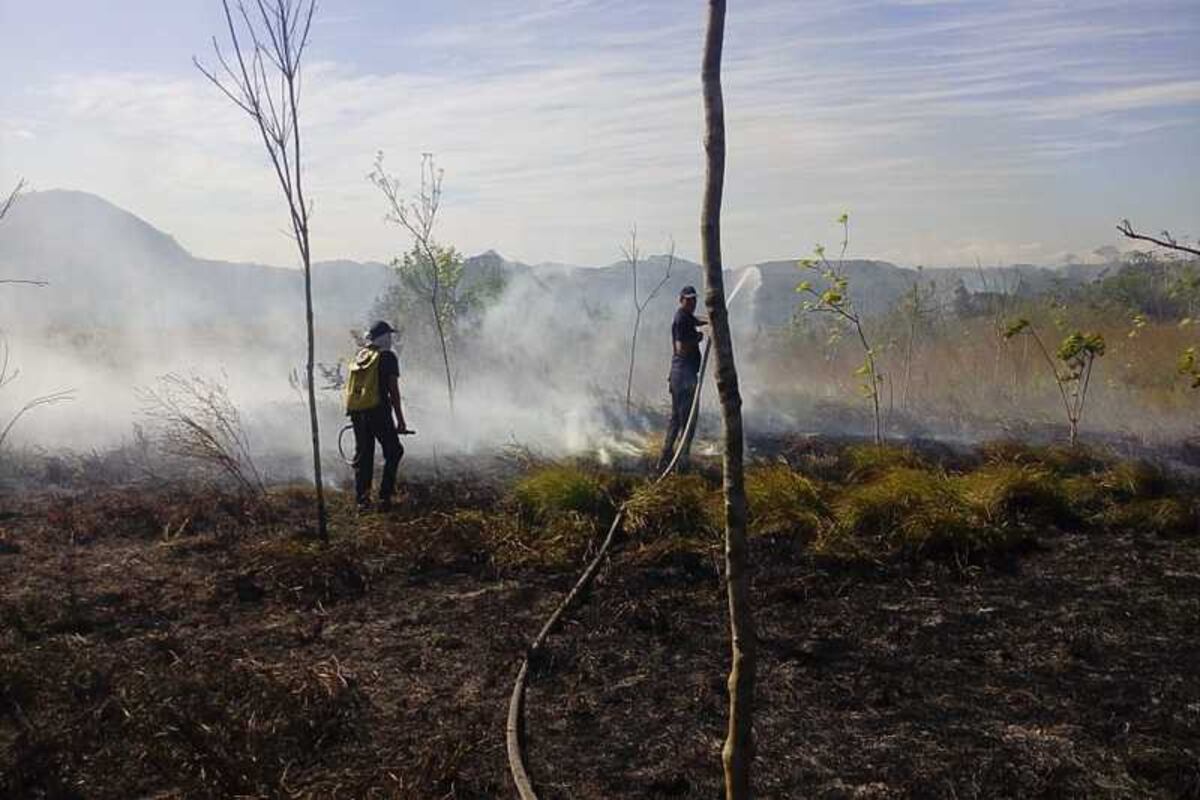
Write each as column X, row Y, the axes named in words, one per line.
column 163, row 643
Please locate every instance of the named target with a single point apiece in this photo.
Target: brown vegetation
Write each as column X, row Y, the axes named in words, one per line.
column 1032, row 633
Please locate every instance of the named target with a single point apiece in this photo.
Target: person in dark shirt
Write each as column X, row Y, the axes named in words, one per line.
column 377, row 424
column 685, row 369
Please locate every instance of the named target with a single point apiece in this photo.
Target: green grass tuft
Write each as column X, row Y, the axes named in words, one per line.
column 679, row 505
column 1160, row 516
column 1059, row 459
column 557, row 489
column 869, row 460
column 1007, row 494
column 880, row 508
column 782, row 501
column 1135, row 480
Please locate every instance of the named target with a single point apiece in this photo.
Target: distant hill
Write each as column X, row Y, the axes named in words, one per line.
column 109, row 268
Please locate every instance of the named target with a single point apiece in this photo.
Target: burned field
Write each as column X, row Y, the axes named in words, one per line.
column 1011, row 622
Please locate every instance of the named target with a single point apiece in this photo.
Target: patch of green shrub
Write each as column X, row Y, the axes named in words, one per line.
column 1160, row 516
column 1085, row 497
column 879, row 507
column 1059, row 459
column 904, row 510
column 869, row 460
column 782, row 501
column 679, row 505
column 1007, row 494
column 557, row 489
column 1135, row 480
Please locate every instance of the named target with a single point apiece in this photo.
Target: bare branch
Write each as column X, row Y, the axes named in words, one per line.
column 1168, row 241
column 12, row 198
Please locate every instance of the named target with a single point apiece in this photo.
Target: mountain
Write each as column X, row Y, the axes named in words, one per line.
column 108, row 268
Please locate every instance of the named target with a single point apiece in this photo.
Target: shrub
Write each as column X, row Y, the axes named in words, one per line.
column 1015, row 494
column 902, row 496
column 868, row 460
column 680, row 504
column 906, row 510
column 1162, row 516
column 557, row 489
column 1131, row 480
column 1078, row 460
column 782, row 501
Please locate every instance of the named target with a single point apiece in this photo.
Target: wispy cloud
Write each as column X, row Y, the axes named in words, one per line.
column 561, row 122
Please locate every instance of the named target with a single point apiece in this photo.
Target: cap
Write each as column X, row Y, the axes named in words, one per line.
column 379, row 329
column 687, row 291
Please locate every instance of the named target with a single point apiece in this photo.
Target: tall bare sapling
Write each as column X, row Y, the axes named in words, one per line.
column 631, row 255
column 738, row 752
column 263, row 79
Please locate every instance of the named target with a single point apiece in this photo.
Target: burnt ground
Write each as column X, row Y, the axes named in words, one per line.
column 193, row 645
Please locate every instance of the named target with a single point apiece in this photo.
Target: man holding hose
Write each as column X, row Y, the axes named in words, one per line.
column 685, row 369
column 372, row 397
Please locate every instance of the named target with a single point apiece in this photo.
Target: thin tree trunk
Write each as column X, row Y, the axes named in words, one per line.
column 637, row 321
column 322, row 516
column 435, row 304
column 738, row 753
column 300, row 213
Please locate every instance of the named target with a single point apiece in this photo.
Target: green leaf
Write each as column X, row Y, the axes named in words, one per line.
column 1015, row 328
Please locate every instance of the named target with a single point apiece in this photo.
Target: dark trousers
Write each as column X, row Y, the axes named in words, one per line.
column 369, row 426
column 683, row 390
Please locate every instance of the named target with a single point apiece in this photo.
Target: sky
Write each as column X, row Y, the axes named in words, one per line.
column 950, row 130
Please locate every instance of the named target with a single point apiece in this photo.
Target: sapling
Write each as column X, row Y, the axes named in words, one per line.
column 631, row 254
column 1077, row 354
column 738, row 753
column 919, row 303
column 835, row 299
column 262, row 77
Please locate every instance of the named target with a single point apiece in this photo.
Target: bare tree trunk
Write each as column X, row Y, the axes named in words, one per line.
column 738, row 753
column 262, row 79
column 435, row 303
column 637, row 321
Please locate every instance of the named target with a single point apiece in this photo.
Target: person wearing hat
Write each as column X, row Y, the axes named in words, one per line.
column 685, row 369
column 376, row 423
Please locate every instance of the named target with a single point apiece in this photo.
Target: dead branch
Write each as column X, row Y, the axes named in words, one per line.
column 195, row 419
column 12, row 198
column 1168, row 241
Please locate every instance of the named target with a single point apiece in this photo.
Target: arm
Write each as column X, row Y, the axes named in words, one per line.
column 393, row 390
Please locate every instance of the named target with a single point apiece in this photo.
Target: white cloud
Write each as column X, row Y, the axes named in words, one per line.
column 552, row 157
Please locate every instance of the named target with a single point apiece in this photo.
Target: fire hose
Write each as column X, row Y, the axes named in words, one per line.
column 341, row 444
column 514, row 727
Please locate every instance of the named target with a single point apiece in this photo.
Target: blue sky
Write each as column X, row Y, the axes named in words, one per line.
column 1003, row 131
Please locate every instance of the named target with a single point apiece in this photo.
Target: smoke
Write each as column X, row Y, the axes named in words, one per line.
column 543, row 365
